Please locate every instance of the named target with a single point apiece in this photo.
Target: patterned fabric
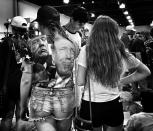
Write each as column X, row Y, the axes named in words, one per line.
column 56, row 102
column 52, row 83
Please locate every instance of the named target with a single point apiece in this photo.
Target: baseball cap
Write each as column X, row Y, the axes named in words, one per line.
column 47, row 13
column 19, row 21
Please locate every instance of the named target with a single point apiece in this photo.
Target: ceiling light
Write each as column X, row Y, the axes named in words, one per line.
column 130, row 20
column 151, row 23
column 92, row 15
column 92, row 2
column 122, row 6
column 125, row 13
column 128, row 17
column 83, row 2
column 66, row 1
column 118, row 2
column 132, row 24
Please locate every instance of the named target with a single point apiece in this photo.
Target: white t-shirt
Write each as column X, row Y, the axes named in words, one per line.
column 100, row 93
column 75, row 37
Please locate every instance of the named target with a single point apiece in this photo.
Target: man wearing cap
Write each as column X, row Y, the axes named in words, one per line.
column 10, row 73
column 78, row 19
column 127, row 37
column 52, row 90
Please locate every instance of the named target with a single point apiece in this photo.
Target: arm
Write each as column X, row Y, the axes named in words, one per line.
column 82, row 66
column 81, row 75
column 25, row 87
column 140, row 73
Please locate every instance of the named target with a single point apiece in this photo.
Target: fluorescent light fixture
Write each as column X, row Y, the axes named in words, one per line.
column 128, row 17
column 125, row 13
column 151, row 24
column 130, row 21
column 66, row 1
column 92, row 15
column 122, row 6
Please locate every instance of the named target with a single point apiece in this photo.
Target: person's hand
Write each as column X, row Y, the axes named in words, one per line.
column 21, row 125
column 125, row 96
column 25, row 125
column 24, row 113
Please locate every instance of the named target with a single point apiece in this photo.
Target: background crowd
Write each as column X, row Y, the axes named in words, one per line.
column 43, row 70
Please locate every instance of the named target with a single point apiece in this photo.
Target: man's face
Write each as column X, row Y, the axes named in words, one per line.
column 39, row 46
column 78, row 25
column 64, row 55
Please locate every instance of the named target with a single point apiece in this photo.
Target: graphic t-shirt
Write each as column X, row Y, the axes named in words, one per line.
column 57, row 74
column 75, row 37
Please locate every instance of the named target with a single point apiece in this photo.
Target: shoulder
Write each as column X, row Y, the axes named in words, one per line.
column 134, row 120
column 139, row 117
column 80, row 34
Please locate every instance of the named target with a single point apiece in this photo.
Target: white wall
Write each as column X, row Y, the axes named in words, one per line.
column 6, row 11
column 29, row 10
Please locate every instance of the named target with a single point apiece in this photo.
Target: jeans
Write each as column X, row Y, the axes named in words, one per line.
column 58, row 103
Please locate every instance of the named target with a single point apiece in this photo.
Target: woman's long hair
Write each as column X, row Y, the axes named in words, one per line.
column 105, row 51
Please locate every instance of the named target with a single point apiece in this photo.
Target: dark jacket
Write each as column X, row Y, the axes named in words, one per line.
column 14, row 73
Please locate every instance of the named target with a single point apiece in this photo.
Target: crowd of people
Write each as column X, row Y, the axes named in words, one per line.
column 46, row 69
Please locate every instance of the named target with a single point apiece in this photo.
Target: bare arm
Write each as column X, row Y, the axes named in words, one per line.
column 25, row 87
column 81, row 75
column 141, row 72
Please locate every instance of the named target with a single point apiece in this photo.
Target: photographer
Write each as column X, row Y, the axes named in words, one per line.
column 10, row 74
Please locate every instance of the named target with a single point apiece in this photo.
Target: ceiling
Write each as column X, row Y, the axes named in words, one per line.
column 141, row 11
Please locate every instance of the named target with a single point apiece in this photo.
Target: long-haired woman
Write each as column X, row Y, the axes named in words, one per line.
column 104, row 60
